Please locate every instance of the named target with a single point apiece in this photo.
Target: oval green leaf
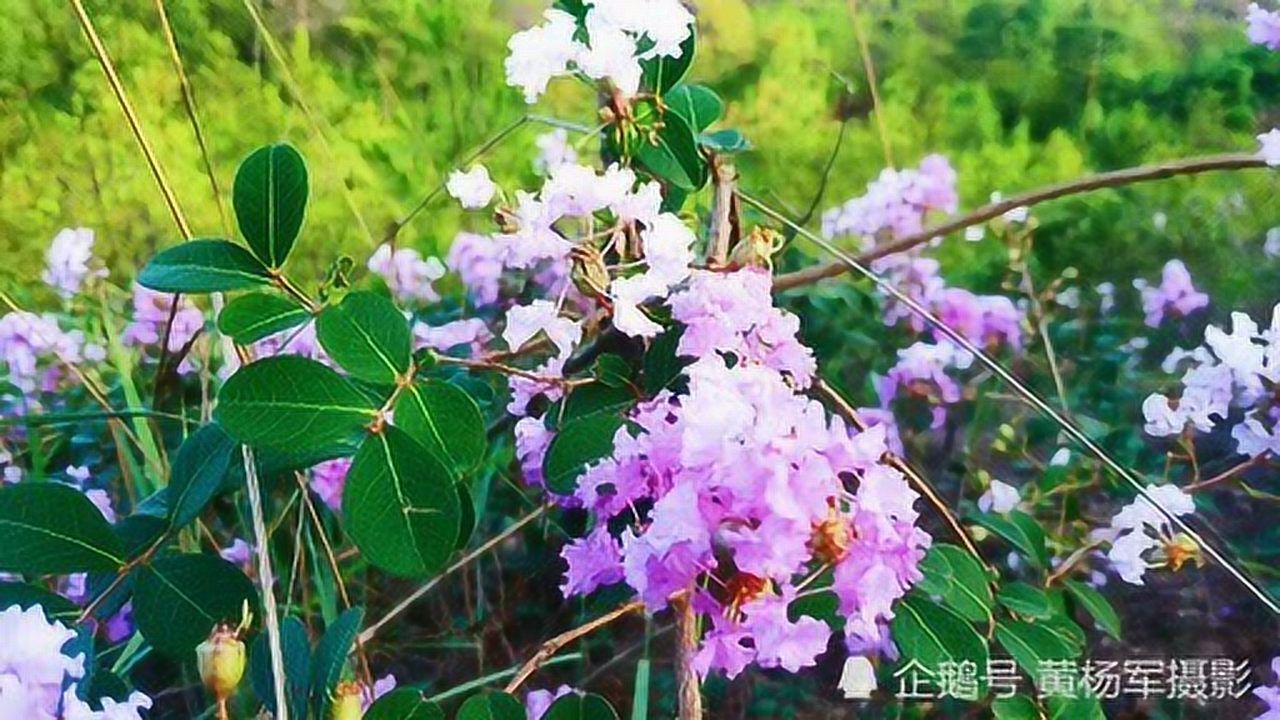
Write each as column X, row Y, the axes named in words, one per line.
column 51, row 528
column 932, row 634
column 672, row 154
column 578, row 444
column 699, row 105
column 491, row 705
column 203, row 266
column 291, row 404
column 368, row 337
column 581, row 707
column 177, row 600
column 254, row 316
column 660, row 74
column 1103, row 614
column 56, row 607
column 331, row 656
column 295, row 649
column 445, row 420
column 1025, row 600
column 199, row 472
column 400, row 506
column 1030, row 644
column 404, row 705
column 955, row 576
column 1022, row 531
column 270, row 198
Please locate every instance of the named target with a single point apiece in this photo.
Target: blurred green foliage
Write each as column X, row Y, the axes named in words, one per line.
column 390, row 93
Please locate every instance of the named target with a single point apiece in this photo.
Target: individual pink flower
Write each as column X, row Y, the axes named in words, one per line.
column 470, row 332
column 541, row 316
column 538, row 702
column 328, row 479
column 1270, row 694
column 1175, row 296
column 406, row 273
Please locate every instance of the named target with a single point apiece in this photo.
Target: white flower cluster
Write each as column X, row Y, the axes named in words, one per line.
column 619, row 35
column 1239, row 369
column 1140, row 534
column 33, row 670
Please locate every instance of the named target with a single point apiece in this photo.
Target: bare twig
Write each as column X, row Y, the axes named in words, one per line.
column 1227, row 475
column 1116, row 178
column 689, row 687
column 869, row 67
column 552, row 646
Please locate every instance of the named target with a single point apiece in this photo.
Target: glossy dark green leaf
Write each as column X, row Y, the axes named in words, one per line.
column 672, row 154
column 291, row 404
column 1018, row 707
column 295, row 649
column 725, row 141
column 660, row 74
column 491, row 705
column 1020, row 530
column 199, row 472
column 955, row 576
column 179, row 599
column 699, row 105
column 56, row 607
column 662, row 363
column 254, row 316
column 931, row 634
column 400, row 506
column 1093, row 602
column 404, row 705
column 368, row 337
column 612, row 370
column 1026, row 600
column 445, row 420
column 581, row 707
column 578, row 444
column 331, row 656
column 1031, row 644
column 270, row 198
column 203, row 266
column 50, row 528
column 592, row 399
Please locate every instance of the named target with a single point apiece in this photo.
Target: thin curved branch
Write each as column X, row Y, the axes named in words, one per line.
column 990, row 211
column 552, row 646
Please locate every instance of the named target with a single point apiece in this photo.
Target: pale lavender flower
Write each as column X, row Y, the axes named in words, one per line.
column 328, row 480
column 67, row 261
column 471, row 332
column 473, row 188
column 1175, row 296
column 406, row 273
column 1270, row 147
column 1263, row 27
column 554, row 150
column 538, row 702
column 477, row 259
column 1270, row 694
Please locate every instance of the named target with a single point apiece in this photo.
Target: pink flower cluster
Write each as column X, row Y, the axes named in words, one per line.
column 35, row 350
column 985, row 320
column 896, row 203
column 407, row 274
column 740, row 489
column 151, row 313
column 922, row 371
column 1233, row 369
column 34, row 670
column 1175, row 296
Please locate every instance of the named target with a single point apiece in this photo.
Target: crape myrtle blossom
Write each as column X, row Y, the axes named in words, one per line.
column 478, row 261
column 151, row 312
column 1263, row 26
column 1270, row 694
column 67, row 261
column 896, row 203
column 1175, row 296
column 554, row 150
column 35, row 351
column 34, row 671
column 1270, row 150
column 407, row 274
column 1000, row 498
column 678, row 510
column 921, row 371
column 471, row 333
column 1142, row 538
column 472, row 189
column 1233, row 370
column 618, row 35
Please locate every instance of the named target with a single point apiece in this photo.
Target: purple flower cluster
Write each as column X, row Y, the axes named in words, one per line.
column 35, row 350
column 150, row 313
column 985, row 320
column 921, row 371
column 896, row 203
column 739, row 489
column 1175, row 296
column 67, row 261
column 1235, row 369
column 1270, row 694
column 1263, row 27
column 407, row 274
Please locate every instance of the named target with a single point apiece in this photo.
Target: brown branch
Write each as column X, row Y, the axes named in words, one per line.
column 553, row 646
column 1116, row 178
column 1227, row 475
column 689, row 687
column 922, row 486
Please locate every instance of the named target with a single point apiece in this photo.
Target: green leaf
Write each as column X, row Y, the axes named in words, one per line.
column 660, row 74
column 956, row 577
column 725, row 141
column 270, row 198
column 445, row 420
column 400, row 506
column 1097, row 606
column 662, row 363
column 931, row 634
column 291, row 404
column 331, row 656
column 25, row 596
column 592, row 399
column 672, row 154
column 252, row 317
column 580, row 707
column 199, row 472
column 491, row 705
column 699, row 105
column 1018, row 707
column 179, row 599
column 578, row 444
column 640, row 691
column 1022, row 531
column 1030, row 644
column 612, row 370
column 404, row 705
column 51, row 528
column 1026, row 600
column 203, row 266
column 368, row 337
column 1082, row 708
column 295, row 649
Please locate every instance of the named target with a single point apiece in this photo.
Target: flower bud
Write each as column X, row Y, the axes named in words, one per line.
column 347, row 702
column 590, row 275
column 221, row 661
column 757, row 249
